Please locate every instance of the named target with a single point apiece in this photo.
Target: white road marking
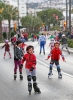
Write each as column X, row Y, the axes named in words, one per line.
column 54, row 68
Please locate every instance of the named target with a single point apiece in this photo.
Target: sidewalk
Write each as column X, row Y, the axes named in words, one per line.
column 70, row 49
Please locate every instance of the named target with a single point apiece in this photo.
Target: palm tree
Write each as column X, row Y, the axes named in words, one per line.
column 10, row 14
column 31, row 22
column 1, row 17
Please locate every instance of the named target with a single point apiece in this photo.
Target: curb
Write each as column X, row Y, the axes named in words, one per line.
column 69, row 51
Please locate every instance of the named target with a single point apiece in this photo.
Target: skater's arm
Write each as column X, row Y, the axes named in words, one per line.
column 3, row 46
column 62, row 55
column 24, row 58
column 34, row 61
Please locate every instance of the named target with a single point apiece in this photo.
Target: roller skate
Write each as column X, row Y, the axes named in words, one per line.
column 29, row 88
column 36, row 88
column 59, row 75
column 44, row 52
column 21, row 77
column 15, row 76
column 50, row 74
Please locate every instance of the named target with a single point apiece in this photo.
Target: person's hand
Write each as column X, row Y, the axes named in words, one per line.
column 46, row 59
column 21, row 66
column 63, row 59
column 32, row 68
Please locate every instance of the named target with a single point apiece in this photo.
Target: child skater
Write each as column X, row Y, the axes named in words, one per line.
column 7, row 48
column 18, row 54
column 55, row 55
column 52, row 41
column 30, row 66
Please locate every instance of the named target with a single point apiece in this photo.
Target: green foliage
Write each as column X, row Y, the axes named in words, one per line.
column 47, row 16
column 70, row 43
column 56, row 27
column 9, row 13
column 31, row 22
column 4, row 35
column 12, row 34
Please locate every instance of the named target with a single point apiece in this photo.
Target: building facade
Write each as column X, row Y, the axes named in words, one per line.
column 22, row 6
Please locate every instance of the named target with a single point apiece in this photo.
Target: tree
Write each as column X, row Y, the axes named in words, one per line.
column 49, row 16
column 31, row 22
column 10, row 13
column 1, row 17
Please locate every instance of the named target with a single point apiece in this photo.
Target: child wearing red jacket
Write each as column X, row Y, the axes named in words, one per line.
column 7, row 48
column 30, row 66
column 55, row 56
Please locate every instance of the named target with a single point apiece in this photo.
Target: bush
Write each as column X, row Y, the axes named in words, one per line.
column 12, row 34
column 4, row 35
column 70, row 43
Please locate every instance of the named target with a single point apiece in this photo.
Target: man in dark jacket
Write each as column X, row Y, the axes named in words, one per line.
column 64, row 42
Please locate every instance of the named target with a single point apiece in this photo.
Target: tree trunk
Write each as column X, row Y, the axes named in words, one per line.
column 0, row 30
column 9, row 29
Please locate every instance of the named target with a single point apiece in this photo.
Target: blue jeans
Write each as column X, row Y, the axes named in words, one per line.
column 42, row 45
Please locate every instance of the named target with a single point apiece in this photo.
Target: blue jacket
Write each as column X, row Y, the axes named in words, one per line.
column 42, row 39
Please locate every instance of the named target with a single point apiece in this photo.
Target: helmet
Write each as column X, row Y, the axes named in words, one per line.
column 6, row 41
column 52, row 39
column 56, row 43
column 63, row 35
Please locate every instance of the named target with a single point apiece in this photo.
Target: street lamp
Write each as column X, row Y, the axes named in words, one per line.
column 18, row 18
column 70, row 16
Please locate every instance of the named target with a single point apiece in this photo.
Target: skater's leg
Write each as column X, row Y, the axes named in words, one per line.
column 43, row 48
column 59, row 71
column 62, row 46
column 67, row 48
column 29, row 77
column 4, row 54
column 20, row 69
column 40, row 48
column 15, row 68
column 9, row 54
column 36, row 88
column 50, row 68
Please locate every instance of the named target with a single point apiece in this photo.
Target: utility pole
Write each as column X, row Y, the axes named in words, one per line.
column 70, row 16
column 66, row 14
column 18, row 18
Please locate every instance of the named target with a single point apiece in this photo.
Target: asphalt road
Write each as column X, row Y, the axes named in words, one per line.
column 51, row 89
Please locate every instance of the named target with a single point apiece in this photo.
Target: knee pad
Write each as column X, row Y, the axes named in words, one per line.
column 51, row 66
column 34, row 78
column 29, row 77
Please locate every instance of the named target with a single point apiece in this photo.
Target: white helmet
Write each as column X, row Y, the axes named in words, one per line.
column 63, row 35
column 52, row 39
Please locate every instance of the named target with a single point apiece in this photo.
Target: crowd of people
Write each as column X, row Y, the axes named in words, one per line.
column 28, row 56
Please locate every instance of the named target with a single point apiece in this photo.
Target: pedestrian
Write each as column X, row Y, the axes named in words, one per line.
column 51, row 44
column 7, row 48
column 30, row 66
column 42, row 42
column 55, row 56
column 18, row 54
column 64, row 42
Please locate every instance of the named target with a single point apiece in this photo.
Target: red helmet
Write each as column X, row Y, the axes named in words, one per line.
column 56, row 43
